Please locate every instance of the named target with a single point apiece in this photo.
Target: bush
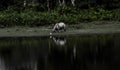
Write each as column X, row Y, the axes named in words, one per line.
column 33, row 18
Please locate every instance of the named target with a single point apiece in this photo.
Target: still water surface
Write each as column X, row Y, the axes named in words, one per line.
column 85, row 52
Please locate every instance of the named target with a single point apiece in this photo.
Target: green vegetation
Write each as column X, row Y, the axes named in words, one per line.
column 65, row 14
column 47, row 12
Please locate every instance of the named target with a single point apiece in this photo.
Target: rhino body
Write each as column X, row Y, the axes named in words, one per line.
column 59, row 27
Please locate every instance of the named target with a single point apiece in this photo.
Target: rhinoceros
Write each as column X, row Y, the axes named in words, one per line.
column 59, row 27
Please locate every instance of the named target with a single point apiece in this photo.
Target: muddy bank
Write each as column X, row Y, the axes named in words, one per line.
column 83, row 28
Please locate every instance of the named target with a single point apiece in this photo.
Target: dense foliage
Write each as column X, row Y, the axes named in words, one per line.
column 46, row 12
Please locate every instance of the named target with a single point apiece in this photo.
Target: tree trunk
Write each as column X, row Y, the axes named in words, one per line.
column 60, row 3
column 73, row 2
column 48, row 5
column 63, row 2
column 24, row 4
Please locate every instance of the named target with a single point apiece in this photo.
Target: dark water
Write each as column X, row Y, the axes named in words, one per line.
column 86, row 52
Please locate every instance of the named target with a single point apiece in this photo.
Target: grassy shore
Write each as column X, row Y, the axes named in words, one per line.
column 35, row 23
column 96, row 27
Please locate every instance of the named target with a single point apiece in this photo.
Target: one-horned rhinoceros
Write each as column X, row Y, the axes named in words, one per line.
column 59, row 27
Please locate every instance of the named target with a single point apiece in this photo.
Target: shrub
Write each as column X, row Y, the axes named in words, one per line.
column 34, row 18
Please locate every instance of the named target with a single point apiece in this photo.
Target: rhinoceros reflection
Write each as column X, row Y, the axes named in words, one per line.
column 60, row 41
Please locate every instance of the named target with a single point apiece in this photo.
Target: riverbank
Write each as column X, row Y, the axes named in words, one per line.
column 96, row 27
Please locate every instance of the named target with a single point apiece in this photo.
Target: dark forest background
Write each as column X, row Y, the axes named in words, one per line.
column 46, row 12
column 46, row 5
